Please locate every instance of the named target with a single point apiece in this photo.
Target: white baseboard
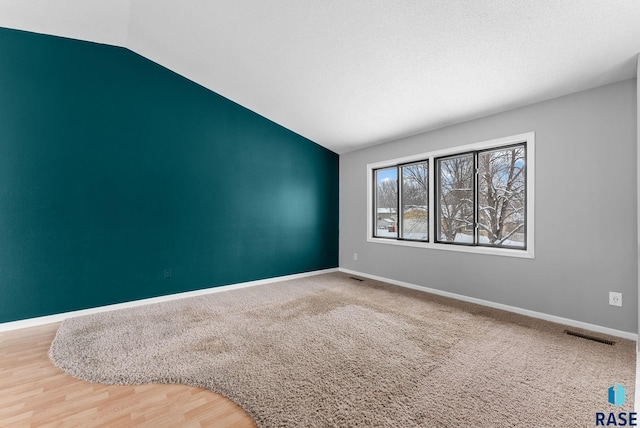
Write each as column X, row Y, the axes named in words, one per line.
column 32, row 322
column 527, row 312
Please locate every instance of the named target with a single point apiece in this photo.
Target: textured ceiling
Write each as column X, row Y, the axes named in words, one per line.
column 349, row 74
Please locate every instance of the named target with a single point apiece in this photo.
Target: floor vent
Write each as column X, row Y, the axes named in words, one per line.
column 586, row 336
column 356, row 279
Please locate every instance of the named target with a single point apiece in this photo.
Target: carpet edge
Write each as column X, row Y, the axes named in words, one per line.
column 514, row 309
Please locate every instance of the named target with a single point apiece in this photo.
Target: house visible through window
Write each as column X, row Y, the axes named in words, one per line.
column 405, row 186
column 476, row 196
column 386, row 202
column 414, row 218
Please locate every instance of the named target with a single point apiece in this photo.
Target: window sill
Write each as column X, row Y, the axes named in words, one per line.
column 503, row 252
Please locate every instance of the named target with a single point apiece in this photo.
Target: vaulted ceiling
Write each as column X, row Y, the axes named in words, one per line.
column 350, row 74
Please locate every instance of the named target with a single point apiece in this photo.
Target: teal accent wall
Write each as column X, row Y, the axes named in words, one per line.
column 113, row 168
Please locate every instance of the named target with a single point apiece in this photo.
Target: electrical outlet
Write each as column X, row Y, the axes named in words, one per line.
column 615, row 299
column 355, row 256
column 167, row 274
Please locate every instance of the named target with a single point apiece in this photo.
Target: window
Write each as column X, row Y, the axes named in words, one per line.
column 481, row 197
column 411, row 194
column 414, row 221
column 455, row 199
column 386, row 211
column 502, row 197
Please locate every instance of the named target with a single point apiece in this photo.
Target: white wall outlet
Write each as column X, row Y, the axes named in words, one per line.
column 615, row 299
column 355, row 256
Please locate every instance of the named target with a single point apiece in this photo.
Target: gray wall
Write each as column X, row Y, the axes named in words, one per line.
column 585, row 212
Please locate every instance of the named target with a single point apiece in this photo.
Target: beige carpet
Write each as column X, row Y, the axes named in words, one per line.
column 330, row 351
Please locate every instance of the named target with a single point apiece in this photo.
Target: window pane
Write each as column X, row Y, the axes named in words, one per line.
column 415, row 201
column 455, row 199
column 501, row 197
column 386, row 196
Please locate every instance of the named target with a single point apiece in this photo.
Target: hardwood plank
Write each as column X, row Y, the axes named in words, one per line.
column 33, row 392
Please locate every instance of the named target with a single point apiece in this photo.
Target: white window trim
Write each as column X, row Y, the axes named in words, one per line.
column 528, row 138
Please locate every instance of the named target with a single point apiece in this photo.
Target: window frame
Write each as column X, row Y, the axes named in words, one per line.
column 400, row 205
column 436, row 188
column 374, row 209
column 431, row 158
column 476, row 196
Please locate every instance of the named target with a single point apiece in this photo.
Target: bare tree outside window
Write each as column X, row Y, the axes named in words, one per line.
column 415, row 201
column 386, row 205
column 501, row 197
column 480, row 198
column 455, row 199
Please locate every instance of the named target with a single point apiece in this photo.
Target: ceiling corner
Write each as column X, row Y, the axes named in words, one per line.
column 100, row 21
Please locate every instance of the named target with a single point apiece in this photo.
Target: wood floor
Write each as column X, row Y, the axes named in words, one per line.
column 33, row 392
